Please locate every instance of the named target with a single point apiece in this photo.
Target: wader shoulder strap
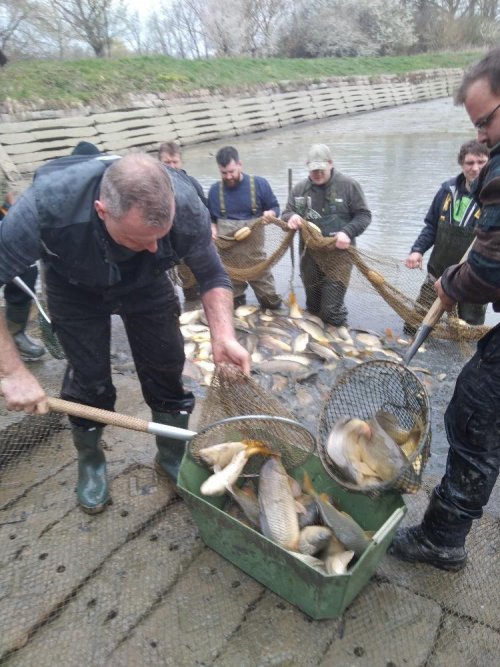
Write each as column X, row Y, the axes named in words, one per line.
column 253, row 198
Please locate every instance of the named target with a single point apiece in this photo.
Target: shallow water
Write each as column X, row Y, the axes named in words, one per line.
column 400, row 156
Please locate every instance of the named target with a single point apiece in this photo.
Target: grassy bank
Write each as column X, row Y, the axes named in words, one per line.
column 69, row 83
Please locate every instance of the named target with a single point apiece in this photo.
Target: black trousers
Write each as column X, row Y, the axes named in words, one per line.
column 472, row 422
column 82, row 321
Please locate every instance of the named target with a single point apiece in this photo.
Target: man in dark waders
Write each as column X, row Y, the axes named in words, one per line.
column 108, row 229
column 449, row 227
column 472, row 419
column 340, row 210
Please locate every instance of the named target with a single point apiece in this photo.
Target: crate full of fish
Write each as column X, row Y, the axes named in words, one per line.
column 262, row 499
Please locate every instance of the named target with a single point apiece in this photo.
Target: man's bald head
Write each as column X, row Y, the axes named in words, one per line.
column 139, row 181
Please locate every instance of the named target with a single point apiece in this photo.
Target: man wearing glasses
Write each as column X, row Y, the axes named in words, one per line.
column 472, row 419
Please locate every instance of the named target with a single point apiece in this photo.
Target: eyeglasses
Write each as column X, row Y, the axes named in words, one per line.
column 481, row 124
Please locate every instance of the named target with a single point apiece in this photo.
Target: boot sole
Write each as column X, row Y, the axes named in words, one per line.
column 97, row 509
column 441, row 565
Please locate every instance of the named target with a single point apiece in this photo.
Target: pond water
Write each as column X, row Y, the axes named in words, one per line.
column 400, row 156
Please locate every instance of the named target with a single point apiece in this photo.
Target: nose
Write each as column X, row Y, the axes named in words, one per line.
column 152, row 247
column 482, row 136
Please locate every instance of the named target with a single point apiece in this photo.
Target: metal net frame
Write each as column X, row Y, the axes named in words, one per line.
column 361, row 392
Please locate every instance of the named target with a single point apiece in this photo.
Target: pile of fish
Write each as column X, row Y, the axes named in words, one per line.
column 299, row 519
column 372, row 452
column 292, row 345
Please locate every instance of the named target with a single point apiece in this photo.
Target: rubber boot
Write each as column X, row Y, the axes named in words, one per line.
column 17, row 318
column 413, row 545
column 170, row 450
column 92, row 490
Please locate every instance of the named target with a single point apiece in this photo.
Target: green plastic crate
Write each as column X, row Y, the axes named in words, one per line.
column 318, row 595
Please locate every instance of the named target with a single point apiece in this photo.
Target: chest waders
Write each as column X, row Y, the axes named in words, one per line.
column 247, row 253
column 325, row 294
column 455, row 233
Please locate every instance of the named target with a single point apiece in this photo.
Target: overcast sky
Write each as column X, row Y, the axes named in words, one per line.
column 142, row 6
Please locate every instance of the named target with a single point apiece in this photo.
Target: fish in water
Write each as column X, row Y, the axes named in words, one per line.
column 300, row 343
column 189, row 317
column 343, row 446
column 274, row 343
column 245, row 311
column 368, row 340
column 278, row 516
column 292, row 368
column 348, row 531
column 323, row 351
column 314, row 330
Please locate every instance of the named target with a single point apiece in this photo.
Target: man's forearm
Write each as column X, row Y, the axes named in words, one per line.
column 10, row 361
column 218, row 305
column 20, row 388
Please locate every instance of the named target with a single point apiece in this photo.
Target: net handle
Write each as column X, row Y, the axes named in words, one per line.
column 117, row 419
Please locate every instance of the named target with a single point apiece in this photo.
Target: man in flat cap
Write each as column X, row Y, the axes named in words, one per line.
column 337, row 205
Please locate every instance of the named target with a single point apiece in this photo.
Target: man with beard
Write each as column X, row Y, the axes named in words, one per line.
column 237, row 201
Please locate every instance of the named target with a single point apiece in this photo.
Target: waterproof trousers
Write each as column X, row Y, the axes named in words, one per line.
column 82, row 321
column 472, row 423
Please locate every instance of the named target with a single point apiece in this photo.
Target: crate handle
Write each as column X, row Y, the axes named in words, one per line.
column 386, row 527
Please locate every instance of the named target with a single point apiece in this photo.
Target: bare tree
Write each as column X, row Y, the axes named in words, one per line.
column 97, row 22
column 261, row 18
column 13, row 13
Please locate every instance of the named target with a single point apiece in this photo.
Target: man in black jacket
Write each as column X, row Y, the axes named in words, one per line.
column 108, row 229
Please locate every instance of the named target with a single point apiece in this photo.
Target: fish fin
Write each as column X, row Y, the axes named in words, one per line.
column 257, row 447
column 299, row 507
column 363, row 468
column 308, row 485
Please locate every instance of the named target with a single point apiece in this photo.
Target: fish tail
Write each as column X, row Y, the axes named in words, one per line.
column 261, row 449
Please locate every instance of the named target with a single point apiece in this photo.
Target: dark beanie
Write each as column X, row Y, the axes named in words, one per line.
column 85, row 148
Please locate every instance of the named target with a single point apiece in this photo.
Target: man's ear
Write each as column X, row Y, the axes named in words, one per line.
column 100, row 208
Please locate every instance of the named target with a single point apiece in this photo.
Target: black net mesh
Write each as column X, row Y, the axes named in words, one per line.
column 364, row 391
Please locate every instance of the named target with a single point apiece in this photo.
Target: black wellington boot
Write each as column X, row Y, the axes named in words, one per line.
column 17, row 318
column 170, row 450
column 92, row 490
column 412, row 545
